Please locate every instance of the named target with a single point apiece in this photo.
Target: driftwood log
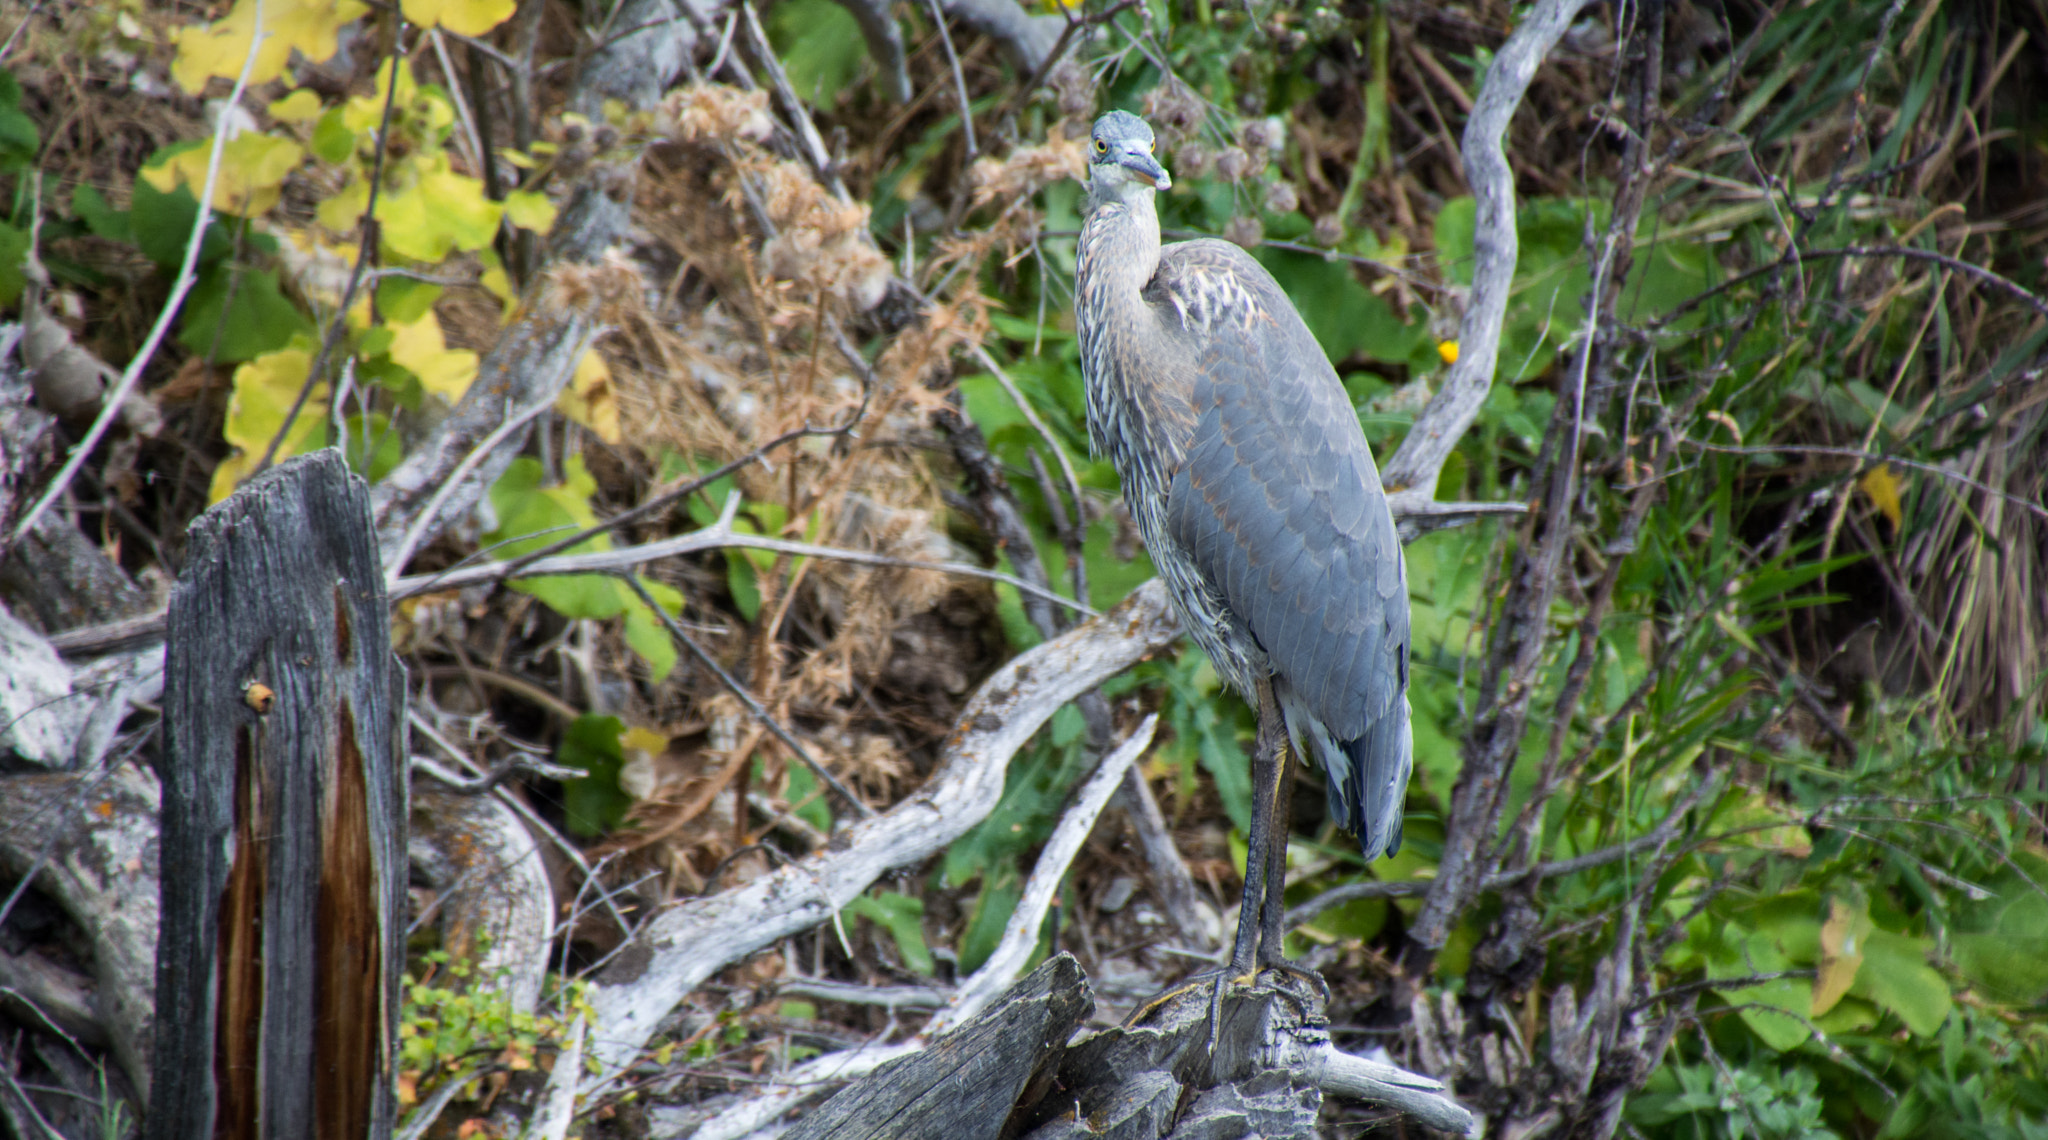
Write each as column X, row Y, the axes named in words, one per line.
column 283, row 842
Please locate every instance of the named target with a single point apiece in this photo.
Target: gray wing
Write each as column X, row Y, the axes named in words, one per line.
column 1279, row 505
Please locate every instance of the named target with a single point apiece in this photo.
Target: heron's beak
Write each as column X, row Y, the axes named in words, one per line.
column 1140, row 162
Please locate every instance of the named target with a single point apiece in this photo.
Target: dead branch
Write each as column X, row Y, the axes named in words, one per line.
column 686, row 944
column 1442, row 423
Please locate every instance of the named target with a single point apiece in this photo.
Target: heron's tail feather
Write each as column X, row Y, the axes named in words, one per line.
column 1366, row 778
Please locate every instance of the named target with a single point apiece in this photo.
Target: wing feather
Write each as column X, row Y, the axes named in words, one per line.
column 1277, row 501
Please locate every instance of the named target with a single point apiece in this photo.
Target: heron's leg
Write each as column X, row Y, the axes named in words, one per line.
column 1271, row 937
column 1266, row 846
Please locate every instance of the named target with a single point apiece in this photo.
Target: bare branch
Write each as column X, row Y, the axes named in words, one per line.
column 686, row 943
column 1443, row 422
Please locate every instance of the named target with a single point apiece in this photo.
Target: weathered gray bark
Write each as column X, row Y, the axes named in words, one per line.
column 964, row 1084
column 92, row 845
column 284, row 801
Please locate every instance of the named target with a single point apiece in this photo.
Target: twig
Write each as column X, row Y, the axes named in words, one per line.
column 682, row 636
column 188, row 275
column 517, row 764
column 365, row 250
column 1414, row 888
column 1020, row 936
column 889, row 997
column 714, row 537
column 1865, row 457
column 959, row 80
column 403, row 553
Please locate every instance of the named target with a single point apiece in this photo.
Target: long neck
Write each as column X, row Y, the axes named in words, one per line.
column 1119, row 249
column 1118, row 254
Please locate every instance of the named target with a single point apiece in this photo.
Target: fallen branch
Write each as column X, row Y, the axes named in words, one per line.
column 678, row 949
column 997, row 974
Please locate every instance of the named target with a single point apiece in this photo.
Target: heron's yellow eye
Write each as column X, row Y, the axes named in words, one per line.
column 1101, row 147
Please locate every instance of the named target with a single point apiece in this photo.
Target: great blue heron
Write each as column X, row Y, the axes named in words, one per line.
column 1244, row 466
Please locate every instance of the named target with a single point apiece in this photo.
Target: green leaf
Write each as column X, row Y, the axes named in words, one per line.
column 531, row 515
column 333, row 142
column 1896, row 976
column 903, row 917
column 91, row 207
column 820, row 45
column 237, row 317
column 1000, row 892
column 2003, row 942
column 1775, row 1010
column 162, row 225
column 19, row 140
column 593, row 804
column 13, row 255
column 404, row 300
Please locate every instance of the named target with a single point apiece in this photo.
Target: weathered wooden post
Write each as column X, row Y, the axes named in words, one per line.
column 284, row 806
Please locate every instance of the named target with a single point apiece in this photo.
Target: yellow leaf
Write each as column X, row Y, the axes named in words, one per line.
column 1841, row 953
column 264, row 390
column 507, row 154
column 589, row 399
column 296, row 107
column 530, row 210
column 463, row 17
column 420, row 348
column 1883, row 488
column 252, row 169
column 343, row 210
column 219, row 49
column 498, row 283
column 440, row 211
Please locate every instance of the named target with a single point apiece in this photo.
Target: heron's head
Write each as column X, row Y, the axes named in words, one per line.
column 1120, row 159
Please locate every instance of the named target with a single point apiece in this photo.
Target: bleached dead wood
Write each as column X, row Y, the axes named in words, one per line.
column 680, row 948
column 1020, row 937
column 998, row 973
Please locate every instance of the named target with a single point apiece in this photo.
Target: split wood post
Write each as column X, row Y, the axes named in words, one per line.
column 284, row 806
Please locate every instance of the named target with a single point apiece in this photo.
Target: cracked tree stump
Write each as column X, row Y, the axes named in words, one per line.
column 283, row 845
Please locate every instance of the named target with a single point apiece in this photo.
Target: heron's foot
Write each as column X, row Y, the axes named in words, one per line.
column 1313, row 980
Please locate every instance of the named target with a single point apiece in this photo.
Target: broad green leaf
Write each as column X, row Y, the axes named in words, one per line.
column 532, row 515
column 333, row 141
column 903, row 917
column 1896, row 976
column 530, row 210
column 1775, row 1010
column 820, row 45
column 162, row 225
column 593, row 804
column 406, row 299
column 233, row 317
